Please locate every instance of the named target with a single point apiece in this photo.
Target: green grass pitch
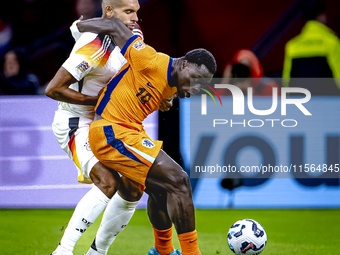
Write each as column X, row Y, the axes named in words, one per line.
column 289, row 231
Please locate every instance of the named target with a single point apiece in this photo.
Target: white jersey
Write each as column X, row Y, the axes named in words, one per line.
column 94, row 60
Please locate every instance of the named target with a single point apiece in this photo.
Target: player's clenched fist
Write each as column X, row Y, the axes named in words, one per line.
column 166, row 104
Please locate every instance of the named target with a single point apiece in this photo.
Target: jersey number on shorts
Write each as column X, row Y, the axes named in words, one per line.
column 143, row 97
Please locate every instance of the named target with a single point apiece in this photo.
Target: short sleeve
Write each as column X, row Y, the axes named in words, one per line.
column 80, row 62
column 75, row 31
column 139, row 55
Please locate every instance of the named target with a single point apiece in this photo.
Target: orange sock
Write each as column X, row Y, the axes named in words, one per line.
column 163, row 240
column 189, row 243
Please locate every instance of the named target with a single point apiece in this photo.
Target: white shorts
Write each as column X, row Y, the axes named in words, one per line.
column 72, row 134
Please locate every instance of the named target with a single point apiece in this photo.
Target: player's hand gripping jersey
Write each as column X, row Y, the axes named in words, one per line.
column 118, row 140
column 94, row 60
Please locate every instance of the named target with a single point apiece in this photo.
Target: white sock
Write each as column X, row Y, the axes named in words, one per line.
column 116, row 216
column 86, row 212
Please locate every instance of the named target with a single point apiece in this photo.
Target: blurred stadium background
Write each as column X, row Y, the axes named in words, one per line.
column 36, row 173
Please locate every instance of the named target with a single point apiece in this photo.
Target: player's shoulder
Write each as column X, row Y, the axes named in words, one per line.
column 148, row 50
column 90, row 43
column 85, row 39
column 87, row 36
column 137, row 44
column 163, row 56
column 162, row 60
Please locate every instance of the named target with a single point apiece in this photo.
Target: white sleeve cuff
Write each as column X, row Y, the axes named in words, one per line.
column 74, row 30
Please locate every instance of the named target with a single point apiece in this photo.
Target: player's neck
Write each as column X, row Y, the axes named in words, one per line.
column 174, row 72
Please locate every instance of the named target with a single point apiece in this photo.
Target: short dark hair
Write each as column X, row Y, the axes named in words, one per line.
column 202, row 57
column 314, row 10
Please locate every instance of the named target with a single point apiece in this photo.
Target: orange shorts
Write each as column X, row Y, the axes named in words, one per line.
column 125, row 150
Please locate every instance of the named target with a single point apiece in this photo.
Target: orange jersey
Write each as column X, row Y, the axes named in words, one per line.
column 138, row 88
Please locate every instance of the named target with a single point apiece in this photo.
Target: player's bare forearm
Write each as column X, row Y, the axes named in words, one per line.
column 73, row 97
column 109, row 26
column 58, row 89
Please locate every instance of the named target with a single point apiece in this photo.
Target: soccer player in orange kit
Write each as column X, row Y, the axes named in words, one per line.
column 117, row 137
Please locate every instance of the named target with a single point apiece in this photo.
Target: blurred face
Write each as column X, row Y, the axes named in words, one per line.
column 85, row 8
column 126, row 11
column 187, row 72
column 323, row 18
column 11, row 65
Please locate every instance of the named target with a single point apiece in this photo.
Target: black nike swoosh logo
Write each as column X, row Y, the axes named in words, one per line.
column 193, row 241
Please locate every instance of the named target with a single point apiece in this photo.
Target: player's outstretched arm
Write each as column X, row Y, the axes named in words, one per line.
column 58, row 89
column 110, row 26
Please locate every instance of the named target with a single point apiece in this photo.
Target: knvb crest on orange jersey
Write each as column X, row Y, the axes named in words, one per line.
column 147, row 143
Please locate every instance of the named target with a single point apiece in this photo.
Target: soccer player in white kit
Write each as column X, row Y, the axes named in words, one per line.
column 94, row 60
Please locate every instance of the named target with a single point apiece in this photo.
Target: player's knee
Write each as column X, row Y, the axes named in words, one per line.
column 108, row 186
column 130, row 191
column 134, row 195
column 182, row 183
column 105, row 180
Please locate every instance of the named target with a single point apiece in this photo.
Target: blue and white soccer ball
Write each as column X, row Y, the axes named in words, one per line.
column 247, row 237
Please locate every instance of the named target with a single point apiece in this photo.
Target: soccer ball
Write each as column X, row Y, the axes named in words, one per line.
column 247, row 237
